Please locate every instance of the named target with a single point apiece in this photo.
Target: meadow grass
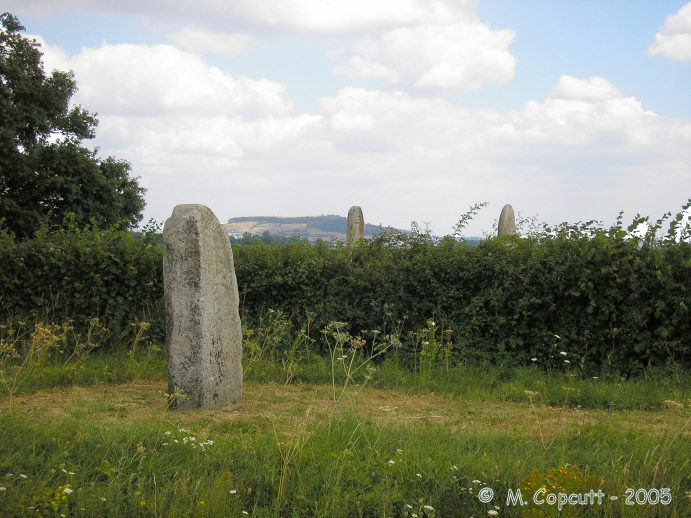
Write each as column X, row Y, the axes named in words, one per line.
column 338, row 435
column 652, row 391
column 290, row 450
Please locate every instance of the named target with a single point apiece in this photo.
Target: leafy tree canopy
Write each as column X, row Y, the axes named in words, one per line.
column 45, row 173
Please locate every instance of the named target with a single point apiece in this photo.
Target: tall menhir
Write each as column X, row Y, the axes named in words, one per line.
column 355, row 227
column 203, row 333
column 507, row 221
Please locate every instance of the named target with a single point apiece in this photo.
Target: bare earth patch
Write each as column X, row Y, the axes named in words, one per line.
column 284, row 406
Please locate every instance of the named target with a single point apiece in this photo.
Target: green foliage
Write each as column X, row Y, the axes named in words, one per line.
column 467, row 217
column 571, row 298
column 73, row 275
column 45, row 173
column 619, row 303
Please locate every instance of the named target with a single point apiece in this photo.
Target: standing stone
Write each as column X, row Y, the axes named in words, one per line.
column 355, row 228
column 507, row 221
column 203, row 333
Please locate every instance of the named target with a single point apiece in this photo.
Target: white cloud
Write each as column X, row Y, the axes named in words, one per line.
column 201, row 41
column 304, row 17
column 461, row 55
column 197, row 134
column 149, row 80
column 422, row 44
column 673, row 40
column 593, row 89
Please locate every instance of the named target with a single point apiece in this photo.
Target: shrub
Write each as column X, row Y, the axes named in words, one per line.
column 577, row 296
column 77, row 274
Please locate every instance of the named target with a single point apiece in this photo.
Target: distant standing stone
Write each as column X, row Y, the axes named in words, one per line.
column 507, row 221
column 203, row 333
column 355, row 228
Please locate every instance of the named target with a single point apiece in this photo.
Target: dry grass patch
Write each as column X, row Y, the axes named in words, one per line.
column 285, row 406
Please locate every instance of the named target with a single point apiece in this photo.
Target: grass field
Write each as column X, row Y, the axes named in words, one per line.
column 98, row 438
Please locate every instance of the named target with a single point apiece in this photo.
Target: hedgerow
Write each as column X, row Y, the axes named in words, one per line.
column 606, row 301
column 72, row 274
column 577, row 296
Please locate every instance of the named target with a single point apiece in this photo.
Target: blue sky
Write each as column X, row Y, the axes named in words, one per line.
column 414, row 110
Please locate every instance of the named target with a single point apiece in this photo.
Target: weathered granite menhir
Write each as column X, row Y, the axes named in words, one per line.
column 203, row 333
column 507, row 221
column 355, row 227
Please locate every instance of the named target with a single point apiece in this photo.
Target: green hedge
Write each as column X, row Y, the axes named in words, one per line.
column 607, row 302
column 74, row 275
column 616, row 304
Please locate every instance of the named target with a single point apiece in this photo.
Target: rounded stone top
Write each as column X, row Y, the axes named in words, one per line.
column 355, row 211
column 507, row 221
column 195, row 211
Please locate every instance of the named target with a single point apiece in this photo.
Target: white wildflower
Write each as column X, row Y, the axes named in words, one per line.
column 3, row 488
column 557, row 337
column 103, row 499
column 476, row 482
column 419, row 475
column 428, row 508
column 391, row 462
column 22, row 475
column 166, row 433
column 67, row 490
column 233, row 491
column 567, row 361
column 492, row 512
column 533, row 359
column 563, row 353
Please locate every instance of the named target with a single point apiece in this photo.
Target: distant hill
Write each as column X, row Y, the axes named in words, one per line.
column 309, row 227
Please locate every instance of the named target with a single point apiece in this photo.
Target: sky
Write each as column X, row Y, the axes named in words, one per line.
column 414, row 110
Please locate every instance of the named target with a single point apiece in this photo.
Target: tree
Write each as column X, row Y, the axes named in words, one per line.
column 45, row 173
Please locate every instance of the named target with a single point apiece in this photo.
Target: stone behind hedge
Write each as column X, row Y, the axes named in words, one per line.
column 615, row 304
